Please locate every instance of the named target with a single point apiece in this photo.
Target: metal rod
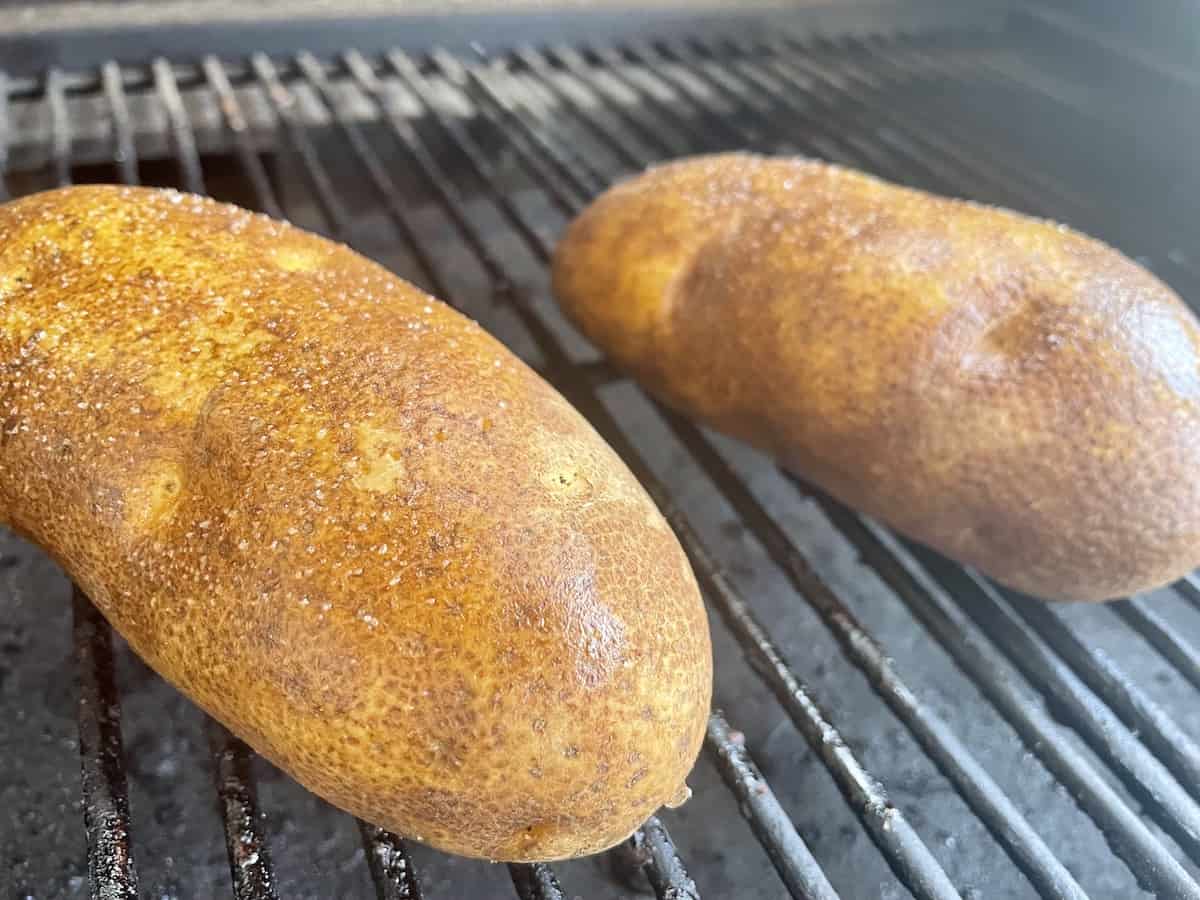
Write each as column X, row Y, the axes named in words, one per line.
column 652, row 846
column 60, row 128
column 105, row 790
column 923, row 147
column 1162, row 636
column 249, row 860
column 124, row 151
column 478, row 159
column 455, row 70
column 1152, row 725
column 235, row 121
column 1148, row 858
column 742, row 136
column 536, row 64
column 616, row 66
column 513, row 97
column 4, row 137
column 284, row 104
column 649, row 129
column 180, row 129
column 391, row 867
column 1169, row 805
column 1188, row 588
column 535, row 881
column 800, row 872
column 492, row 112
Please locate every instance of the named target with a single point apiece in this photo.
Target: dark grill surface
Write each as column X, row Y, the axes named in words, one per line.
column 892, row 724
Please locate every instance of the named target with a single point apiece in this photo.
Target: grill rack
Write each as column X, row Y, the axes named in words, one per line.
column 737, row 104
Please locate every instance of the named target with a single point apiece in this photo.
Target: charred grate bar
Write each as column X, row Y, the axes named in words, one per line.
column 447, row 133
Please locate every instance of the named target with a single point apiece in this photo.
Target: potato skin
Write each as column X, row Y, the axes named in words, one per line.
column 347, row 522
column 1010, row 392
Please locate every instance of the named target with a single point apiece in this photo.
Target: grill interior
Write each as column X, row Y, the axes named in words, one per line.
column 893, row 725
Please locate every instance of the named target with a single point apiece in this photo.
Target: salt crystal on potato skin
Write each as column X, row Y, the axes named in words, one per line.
column 347, row 522
column 1006, row 390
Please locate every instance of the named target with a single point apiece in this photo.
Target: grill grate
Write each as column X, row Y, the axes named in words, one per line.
column 532, row 135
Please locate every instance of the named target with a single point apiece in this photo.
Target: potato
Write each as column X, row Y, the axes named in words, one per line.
column 1007, row 391
column 347, row 522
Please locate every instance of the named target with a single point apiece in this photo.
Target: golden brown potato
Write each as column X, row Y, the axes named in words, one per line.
column 347, row 522
column 1010, row 392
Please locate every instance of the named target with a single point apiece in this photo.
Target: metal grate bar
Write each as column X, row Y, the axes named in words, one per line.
column 983, row 795
column 105, row 792
column 235, row 121
column 660, row 860
column 512, row 98
column 183, row 143
column 1162, row 637
column 1188, row 588
column 903, row 848
column 797, row 868
column 1153, row 864
column 615, row 65
column 1167, row 802
column 391, row 867
column 547, row 77
column 492, row 112
column 1150, row 722
column 378, row 173
column 4, row 129
column 60, row 128
column 645, row 56
column 124, row 152
column 454, row 70
column 410, row 74
column 535, row 882
column 249, row 861
column 284, row 105
column 634, row 116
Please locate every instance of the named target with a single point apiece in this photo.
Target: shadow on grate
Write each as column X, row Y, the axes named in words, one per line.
column 431, row 161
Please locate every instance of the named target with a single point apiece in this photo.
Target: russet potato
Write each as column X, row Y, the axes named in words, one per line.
column 347, row 522
column 1010, row 392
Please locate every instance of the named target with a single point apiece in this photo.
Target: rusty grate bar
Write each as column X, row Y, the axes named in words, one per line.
column 391, row 867
column 535, row 882
column 124, row 151
column 249, row 860
column 105, row 789
column 797, row 868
